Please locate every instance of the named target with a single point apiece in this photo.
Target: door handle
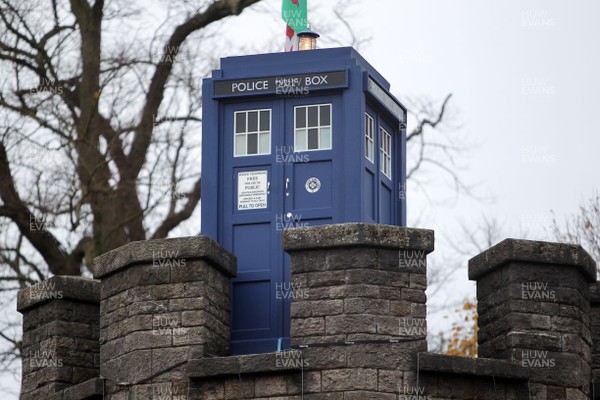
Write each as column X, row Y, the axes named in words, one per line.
column 287, row 186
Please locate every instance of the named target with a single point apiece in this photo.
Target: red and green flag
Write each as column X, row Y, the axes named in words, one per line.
column 295, row 15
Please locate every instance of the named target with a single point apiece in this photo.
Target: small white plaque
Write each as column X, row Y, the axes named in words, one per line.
column 252, row 190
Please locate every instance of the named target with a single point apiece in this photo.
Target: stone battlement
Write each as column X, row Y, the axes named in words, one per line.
column 155, row 324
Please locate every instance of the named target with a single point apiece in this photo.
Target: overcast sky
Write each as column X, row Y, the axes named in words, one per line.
column 524, row 75
column 525, row 82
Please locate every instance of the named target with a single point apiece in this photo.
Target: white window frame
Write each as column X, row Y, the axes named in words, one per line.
column 319, row 127
column 258, row 132
column 369, row 138
column 385, row 152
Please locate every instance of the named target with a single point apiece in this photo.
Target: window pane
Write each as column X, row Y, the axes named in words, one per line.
column 301, row 117
column 300, row 142
column 265, row 121
column 313, row 116
column 240, row 122
column 240, row 145
column 253, row 121
column 369, row 139
column 388, row 167
column 325, row 115
column 253, row 143
column 325, row 138
column 313, row 139
column 264, row 143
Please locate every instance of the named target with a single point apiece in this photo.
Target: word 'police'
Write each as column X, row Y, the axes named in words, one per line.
column 251, row 86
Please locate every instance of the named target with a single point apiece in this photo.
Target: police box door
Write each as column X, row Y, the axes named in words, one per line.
column 313, row 130
column 281, row 167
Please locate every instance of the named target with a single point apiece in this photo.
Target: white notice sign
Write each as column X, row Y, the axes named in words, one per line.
column 252, row 190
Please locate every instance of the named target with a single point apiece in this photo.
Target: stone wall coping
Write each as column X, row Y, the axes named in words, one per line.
column 357, row 234
column 217, row 367
column 82, row 391
column 534, row 252
column 59, row 286
column 191, row 247
column 442, row 363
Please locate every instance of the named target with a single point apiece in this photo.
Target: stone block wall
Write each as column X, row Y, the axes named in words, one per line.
column 534, row 310
column 60, row 345
column 161, row 302
column 159, row 318
column 595, row 332
column 360, row 282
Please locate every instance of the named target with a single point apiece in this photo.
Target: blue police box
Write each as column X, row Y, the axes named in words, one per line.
column 293, row 139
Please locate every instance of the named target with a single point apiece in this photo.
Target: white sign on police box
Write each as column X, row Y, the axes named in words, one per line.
column 252, row 190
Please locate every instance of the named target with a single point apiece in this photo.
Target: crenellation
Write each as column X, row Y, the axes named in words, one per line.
column 153, row 330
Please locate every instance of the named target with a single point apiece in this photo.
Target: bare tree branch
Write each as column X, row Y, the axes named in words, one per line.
column 57, row 259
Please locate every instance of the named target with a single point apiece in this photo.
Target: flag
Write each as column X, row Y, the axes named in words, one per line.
column 291, row 39
column 295, row 15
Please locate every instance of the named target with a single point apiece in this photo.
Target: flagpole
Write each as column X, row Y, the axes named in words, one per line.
column 295, row 15
column 291, row 40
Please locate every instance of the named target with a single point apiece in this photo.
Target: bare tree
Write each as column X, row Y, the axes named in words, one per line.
column 467, row 244
column 98, row 144
column 73, row 98
column 582, row 228
column 436, row 146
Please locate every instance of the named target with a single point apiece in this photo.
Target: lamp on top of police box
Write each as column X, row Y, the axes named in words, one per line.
column 307, row 39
